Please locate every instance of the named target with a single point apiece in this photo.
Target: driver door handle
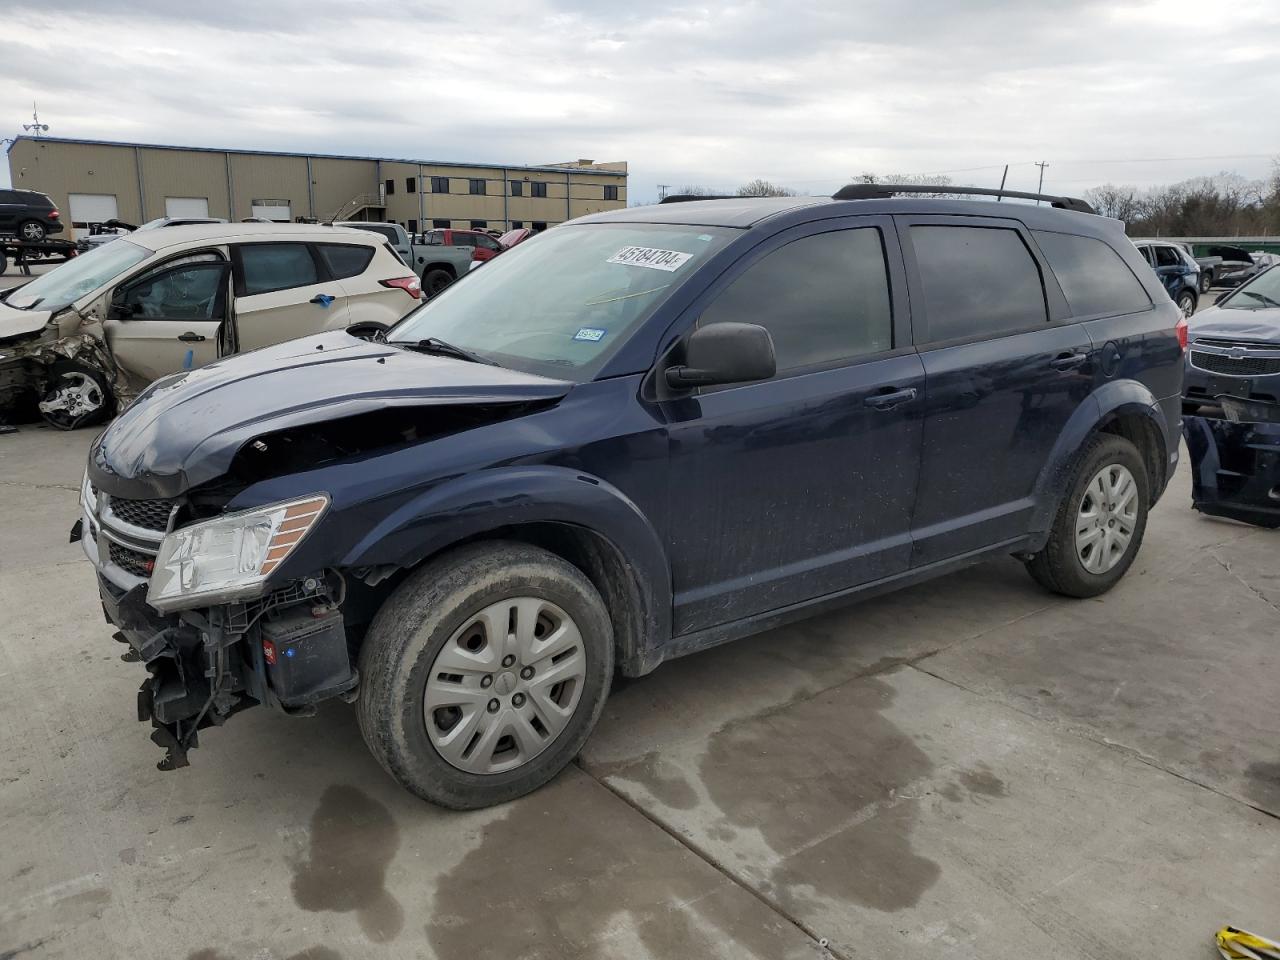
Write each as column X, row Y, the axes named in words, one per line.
column 190, row 337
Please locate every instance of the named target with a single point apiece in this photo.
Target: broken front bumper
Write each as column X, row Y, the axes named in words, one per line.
column 1235, row 461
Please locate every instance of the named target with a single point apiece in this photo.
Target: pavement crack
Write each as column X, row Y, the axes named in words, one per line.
column 40, row 486
column 705, row 856
column 1073, row 731
column 1226, row 565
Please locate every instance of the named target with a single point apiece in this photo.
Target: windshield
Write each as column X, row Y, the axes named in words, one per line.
column 563, row 302
column 79, row 276
column 1261, row 292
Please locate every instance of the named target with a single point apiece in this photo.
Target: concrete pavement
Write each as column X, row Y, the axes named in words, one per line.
column 970, row 768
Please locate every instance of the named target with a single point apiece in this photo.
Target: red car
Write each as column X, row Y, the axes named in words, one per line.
column 512, row 237
column 485, row 246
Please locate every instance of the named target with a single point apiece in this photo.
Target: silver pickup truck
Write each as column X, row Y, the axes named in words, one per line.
column 437, row 265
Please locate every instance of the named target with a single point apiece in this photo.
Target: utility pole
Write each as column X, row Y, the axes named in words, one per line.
column 1040, row 189
column 662, row 190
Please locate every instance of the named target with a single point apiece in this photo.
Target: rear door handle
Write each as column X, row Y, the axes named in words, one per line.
column 190, row 337
column 887, row 401
column 1068, row 361
column 323, row 299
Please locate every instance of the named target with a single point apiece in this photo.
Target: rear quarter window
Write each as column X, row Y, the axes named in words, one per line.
column 1093, row 277
column 978, row 281
column 345, row 259
column 276, row 266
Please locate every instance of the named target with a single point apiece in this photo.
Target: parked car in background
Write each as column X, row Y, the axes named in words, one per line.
column 437, row 265
column 1210, row 267
column 1235, row 346
column 1238, row 265
column 28, row 215
column 484, row 245
column 92, row 332
column 513, row 237
column 1177, row 269
column 651, row 431
column 114, row 229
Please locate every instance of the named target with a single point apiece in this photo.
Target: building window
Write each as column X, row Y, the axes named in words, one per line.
column 539, row 226
column 391, row 187
column 517, row 224
column 439, row 184
column 517, row 188
column 611, row 192
column 440, row 224
column 537, row 189
column 478, row 187
column 479, row 224
column 411, row 184
column 412, row 226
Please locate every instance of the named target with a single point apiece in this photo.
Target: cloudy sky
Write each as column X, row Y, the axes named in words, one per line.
column 804, row 93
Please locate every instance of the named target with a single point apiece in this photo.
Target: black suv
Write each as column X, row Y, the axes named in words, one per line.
column 28, row 215
column 630, row 438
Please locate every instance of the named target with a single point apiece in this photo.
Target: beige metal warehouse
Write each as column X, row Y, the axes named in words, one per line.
column 97, row 180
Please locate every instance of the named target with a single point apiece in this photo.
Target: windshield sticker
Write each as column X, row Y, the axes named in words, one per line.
column 590, row 334
column 651, row 257
column 705, row 237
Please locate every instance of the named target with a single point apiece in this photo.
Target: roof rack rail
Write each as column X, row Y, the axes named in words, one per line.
column 883, row 191
column 687, row 197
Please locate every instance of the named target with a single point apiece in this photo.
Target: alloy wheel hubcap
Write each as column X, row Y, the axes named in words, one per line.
column 76, row 396
column 1107, row 518
column 504, row 685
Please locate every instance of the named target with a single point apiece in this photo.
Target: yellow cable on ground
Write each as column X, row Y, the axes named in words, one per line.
column 1242, row 945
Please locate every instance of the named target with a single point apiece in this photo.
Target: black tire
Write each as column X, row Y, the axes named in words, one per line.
column 32, row 231
column 435, row 280
column 94, row 404
column 1206, row 281
column 1058, row 566
column 4, row 264
column 413, row 626
column 1187, row 303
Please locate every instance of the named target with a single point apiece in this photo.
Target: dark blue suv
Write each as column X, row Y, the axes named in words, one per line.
column 633, row 437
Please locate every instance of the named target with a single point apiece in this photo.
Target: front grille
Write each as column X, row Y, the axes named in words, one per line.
column 149, row 514
column 1235, row 367
column 132, row 561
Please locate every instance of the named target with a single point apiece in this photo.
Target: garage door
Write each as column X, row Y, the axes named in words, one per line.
column 272, row 210
column 89, row 208
column 186, row 206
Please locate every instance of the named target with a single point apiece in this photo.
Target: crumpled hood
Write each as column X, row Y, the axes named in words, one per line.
column 186, row 429
column 15, row 322
column 1216, row 323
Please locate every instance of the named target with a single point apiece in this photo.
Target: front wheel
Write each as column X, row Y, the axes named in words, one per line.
column 1206, row 281
column 1099, row 525
column 483, row 674
column 1187, row 303
column 77, row 396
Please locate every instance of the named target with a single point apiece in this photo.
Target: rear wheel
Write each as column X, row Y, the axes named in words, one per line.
column 369, row 330
column 77, row 396
column 1099, row 525
column 1187, row 303
column 483, row 674
column 433, row 281
column 32, row 231
column 1206, row 281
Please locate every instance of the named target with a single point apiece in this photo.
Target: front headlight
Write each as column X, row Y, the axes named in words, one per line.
column 230, row 557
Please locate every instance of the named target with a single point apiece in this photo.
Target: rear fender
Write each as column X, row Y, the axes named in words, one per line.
column 1110, row 401
column 489, row 500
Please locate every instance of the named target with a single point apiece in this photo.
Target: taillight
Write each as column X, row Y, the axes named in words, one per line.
column 410, row 285
column 54, row 214
column 1181, row 331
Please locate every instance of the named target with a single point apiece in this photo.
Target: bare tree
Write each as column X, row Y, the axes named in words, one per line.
column 1119, row 203
column 763, row 188
column 911, row 179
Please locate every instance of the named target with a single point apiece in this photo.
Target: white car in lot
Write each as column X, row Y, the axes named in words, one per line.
column 104, row 325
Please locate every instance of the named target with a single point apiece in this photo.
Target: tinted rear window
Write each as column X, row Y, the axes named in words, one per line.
column 345, row 260
column 978, row 281
column 1093, row 277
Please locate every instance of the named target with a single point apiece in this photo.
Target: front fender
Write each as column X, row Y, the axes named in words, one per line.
column 478, row 503
column 1114, row 399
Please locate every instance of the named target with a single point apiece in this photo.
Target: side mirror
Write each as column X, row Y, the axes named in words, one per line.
column 724, row 353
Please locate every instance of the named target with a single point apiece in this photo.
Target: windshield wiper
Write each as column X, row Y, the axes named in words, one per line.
column 438, row 347
column 1261, row 296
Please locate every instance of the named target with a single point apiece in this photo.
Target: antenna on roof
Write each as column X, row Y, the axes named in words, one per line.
column 35, row 124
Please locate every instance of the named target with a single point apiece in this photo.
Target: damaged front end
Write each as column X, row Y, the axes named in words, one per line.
column 27, row 365
column 207, row 660
column 1235, row 461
